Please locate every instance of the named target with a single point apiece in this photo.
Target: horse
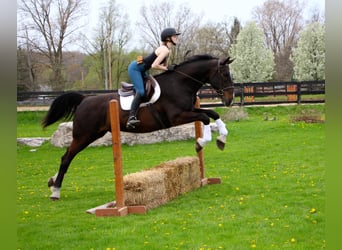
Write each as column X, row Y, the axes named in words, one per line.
column 175, row 106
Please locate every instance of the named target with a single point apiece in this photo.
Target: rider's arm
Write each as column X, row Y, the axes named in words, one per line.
column 162, row 52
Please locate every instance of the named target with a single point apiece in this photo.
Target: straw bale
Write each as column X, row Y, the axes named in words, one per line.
column 145, row 188
column 164, row 182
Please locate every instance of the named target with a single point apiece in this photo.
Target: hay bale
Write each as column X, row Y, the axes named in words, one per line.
column 156, row 186
column 144, row 188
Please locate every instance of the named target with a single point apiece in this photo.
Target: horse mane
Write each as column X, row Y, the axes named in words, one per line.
column 192, row 59
column 197, row 58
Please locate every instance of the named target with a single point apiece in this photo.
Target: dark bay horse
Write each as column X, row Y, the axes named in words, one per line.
column 175, row 106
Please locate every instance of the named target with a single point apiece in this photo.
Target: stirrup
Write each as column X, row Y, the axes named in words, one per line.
column 132, row 121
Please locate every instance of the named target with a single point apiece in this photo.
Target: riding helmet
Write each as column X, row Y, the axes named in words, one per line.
column 168, row 32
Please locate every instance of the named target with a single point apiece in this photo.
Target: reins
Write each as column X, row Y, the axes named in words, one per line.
column 189, row 76
column 219, row 91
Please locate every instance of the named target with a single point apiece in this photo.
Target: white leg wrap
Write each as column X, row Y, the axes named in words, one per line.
column 201, row 142
column 221, row 127
column 56, row 194
column 207, row 133
column 206, row 136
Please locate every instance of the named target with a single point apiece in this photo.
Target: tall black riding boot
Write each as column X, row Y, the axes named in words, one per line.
column 132, row 119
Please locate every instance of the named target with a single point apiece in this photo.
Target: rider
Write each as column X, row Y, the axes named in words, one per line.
column 138, row 68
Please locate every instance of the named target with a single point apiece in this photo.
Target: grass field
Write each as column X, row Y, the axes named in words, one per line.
column 272, row 194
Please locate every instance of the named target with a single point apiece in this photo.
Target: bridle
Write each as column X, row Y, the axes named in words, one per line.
column 220, row 91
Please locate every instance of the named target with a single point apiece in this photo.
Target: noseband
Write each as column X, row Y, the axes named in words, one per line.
column 218, row 91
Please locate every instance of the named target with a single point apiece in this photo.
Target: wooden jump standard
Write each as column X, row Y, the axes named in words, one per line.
column 118, row 207
column 198, row 133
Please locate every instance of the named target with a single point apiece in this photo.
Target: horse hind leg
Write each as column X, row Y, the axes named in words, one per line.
column 55, row 192
column 52, row 180
column 55, row 182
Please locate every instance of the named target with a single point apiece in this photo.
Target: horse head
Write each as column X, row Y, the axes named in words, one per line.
column 206, row 69
column 222, row 82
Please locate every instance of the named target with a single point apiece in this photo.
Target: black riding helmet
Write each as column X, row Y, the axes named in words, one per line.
column 168, row 32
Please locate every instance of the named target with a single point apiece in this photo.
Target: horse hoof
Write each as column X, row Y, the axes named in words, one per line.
column 220, row 144
column 198, row 147
column 50, row 182
column 54, row 198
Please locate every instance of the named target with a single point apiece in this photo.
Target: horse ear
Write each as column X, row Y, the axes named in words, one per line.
column 186, row 54
column 227, row 61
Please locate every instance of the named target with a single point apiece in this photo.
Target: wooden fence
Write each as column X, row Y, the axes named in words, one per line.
column 262, row 93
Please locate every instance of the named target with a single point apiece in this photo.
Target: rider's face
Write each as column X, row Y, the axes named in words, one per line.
column 174, row 38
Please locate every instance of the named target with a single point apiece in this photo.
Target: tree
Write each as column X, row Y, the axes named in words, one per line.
column 107, row 48
column 253, row 61
column 159, row 16
column 25, row 73
column 208, row 40
column 116, row 37
column 309, row 55
column 234, row 30
column 280, row 22
column 216, row 39
column 50, row 26
column 25, row 66
column 316, row 15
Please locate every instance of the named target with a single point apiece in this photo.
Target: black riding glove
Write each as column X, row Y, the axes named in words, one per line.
column 171, row 67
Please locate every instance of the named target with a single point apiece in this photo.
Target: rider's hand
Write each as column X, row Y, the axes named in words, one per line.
column 171, row 67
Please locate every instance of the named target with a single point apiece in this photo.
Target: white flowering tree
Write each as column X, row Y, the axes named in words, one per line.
column 309, row 55
column 253, row 61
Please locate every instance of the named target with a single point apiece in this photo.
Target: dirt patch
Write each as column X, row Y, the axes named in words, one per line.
column 309, row 116
column 33, row 108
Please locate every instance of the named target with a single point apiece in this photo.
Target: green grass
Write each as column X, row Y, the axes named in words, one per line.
column 272, row 194
column 28, row 124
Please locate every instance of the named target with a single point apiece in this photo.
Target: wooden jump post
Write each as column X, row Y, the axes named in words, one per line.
column 198, row 133
column 118, row 207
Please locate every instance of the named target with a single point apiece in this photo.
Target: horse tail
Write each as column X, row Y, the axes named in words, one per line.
column 63, row 106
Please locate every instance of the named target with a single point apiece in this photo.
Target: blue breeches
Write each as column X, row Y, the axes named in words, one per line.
column 136, row 73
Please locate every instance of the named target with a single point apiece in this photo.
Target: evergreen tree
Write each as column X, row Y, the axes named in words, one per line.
column 253, row 61
column 309, row 55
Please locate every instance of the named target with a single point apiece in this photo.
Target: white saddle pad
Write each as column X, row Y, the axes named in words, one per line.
column 126, row 101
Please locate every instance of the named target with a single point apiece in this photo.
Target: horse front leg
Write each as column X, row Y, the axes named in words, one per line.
column 206, row 137
column 223, row 131
column 196, row 115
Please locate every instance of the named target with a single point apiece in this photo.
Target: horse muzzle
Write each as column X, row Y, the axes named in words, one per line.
column 228, row 97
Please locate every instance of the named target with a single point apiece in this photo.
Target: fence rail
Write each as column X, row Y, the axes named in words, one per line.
column 261, row 93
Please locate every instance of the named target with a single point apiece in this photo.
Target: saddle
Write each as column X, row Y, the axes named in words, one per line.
column 127, row 89
column 127, row 92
